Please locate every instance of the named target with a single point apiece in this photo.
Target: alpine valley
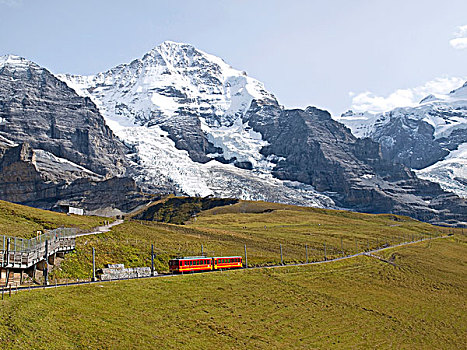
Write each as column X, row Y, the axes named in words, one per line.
column 182, row 121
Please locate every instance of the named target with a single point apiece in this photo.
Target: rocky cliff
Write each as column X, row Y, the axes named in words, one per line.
column 22, row 181
column 55, row 147
column 37, row 108
column 430, row 138
column 315, row 149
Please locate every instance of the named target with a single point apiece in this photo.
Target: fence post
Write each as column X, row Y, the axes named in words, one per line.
column 152, row 260
column 46, row 263
column 7, row 260
column 246, row 258
column 282, row 260
column 93, row 264
column 306, row 252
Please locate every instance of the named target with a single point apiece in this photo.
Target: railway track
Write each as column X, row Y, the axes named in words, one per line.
column 168, row 275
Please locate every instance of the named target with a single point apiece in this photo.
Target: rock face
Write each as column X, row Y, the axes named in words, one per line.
column 317, row 150
column 39, row 109
column 21, row 181
column 55, row 147
column 430, row 138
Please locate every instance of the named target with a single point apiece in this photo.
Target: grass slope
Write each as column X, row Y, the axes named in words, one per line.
column 356, row 303
column 261, row 226
column 21, row 221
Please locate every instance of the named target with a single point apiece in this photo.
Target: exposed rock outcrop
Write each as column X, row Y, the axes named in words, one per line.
column 22, row 182
column 39, row 109
column 319, row 151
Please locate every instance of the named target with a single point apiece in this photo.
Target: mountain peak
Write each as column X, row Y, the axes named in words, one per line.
column 17, row 62
column 182, row 55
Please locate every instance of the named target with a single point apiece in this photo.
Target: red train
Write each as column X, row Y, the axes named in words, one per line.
column 203, row 263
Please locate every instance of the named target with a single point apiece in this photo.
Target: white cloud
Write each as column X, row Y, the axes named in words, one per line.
column 460, row 40
column 367, row 101
column 11, row 3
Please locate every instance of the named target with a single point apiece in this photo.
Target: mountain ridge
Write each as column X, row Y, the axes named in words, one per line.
column 193, row 125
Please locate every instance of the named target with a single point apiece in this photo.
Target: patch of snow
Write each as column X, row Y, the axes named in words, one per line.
column 450, row 173
column 64, row 164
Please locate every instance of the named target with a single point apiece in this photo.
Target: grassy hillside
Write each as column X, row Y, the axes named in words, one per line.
column 261, row 226
column 177, row 210
column 19, row 220
column 356, row 303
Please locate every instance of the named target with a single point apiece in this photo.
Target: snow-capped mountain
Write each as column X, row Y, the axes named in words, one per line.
column 431, row 138
column 182, row 110
column 191, row 124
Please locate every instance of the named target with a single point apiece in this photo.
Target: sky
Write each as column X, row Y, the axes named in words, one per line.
column 365, row 55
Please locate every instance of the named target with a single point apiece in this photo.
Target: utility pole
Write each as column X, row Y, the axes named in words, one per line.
column 202, row 253
column 282, row 260
column 93, row 264
column 306, row 252
column 246, row 258
column 152, row 260
column 325, row 258
column 342, row 247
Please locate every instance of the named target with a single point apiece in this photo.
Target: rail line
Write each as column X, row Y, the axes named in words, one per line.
column 167, row 275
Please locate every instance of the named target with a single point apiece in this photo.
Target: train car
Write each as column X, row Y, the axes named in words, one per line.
column 226, row 262
column 190, row 264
